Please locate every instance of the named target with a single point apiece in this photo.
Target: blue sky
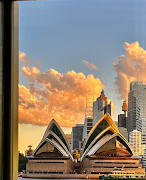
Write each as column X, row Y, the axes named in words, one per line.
column 61, row 33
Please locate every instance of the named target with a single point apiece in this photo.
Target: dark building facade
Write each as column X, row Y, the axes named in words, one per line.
column 122, row 120
column 77, row 136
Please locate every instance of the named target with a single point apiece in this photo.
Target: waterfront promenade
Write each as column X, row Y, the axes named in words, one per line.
column 64, row 176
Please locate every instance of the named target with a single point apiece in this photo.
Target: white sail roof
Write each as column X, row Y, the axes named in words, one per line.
column 57, row 138
column 104, row 130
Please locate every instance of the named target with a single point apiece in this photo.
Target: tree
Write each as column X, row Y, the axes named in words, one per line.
column 22, row 162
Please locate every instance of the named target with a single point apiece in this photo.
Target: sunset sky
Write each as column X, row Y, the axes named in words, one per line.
column 70, row 49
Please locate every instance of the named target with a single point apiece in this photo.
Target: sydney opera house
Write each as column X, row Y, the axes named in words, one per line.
column 104, row 152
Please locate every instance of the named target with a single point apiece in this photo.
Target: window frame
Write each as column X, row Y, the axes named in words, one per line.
column 9, row 90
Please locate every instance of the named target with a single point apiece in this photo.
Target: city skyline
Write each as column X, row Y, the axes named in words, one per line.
column 56, row 43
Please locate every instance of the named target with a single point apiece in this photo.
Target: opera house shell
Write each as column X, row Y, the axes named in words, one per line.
column 105, row 151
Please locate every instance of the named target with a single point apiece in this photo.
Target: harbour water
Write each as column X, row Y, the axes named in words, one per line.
column 42, row 179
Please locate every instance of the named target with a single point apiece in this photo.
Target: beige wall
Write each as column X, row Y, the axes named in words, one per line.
column 65, row 166
column 103, row 166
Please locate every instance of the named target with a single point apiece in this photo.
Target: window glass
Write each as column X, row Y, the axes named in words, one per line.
column 71, row 52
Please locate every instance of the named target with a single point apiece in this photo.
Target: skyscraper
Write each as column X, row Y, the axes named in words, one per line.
column 77, row 136
column 122, row 120
column 88, row 124
column 135, row 88
column 141, row 114
column 100, row 107
column 135, row 141
column 144, row 159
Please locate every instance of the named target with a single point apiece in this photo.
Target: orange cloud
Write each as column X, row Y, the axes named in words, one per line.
column 55, row 95
column 130, row 67
column 23, row 57
column 89, row 65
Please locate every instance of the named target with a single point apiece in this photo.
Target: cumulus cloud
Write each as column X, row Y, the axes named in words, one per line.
column 23, row 57
column 130, row 67
column 55, row 95
column 89, row 65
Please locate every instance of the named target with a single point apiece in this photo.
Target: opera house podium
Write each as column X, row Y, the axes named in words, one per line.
column 104, row 152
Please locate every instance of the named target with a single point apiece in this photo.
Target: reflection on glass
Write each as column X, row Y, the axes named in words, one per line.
column 77, row 61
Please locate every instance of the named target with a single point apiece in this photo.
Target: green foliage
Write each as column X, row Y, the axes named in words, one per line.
column 22, row 162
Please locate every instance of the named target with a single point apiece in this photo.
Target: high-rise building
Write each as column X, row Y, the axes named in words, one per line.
column 144, row 159
column 89, row 107
column 141, row 114
column 135, row 141
column 88, row 121
column 100, row 107
column 77, row 136
column 88, row 124
column 135, row 88
column 122, row 120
